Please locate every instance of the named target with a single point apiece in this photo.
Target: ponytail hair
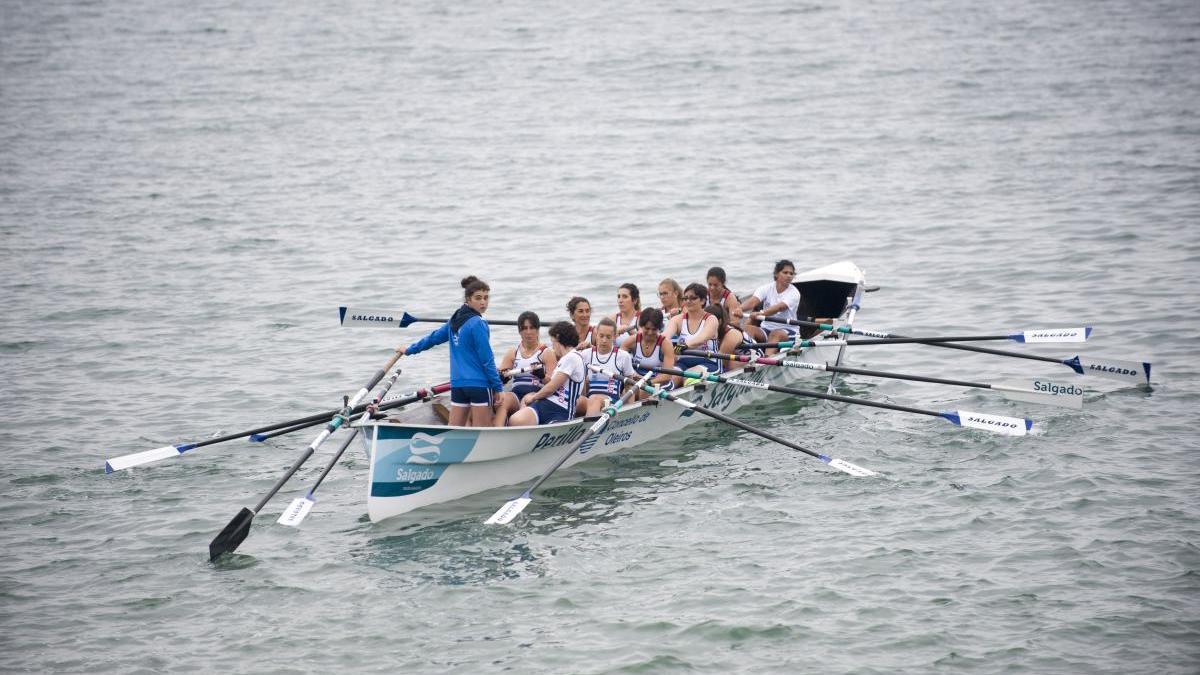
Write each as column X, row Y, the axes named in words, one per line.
column 634, row 295
column 718, row 312
column 472, row 285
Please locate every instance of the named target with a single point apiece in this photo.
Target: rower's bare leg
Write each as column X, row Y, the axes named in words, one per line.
column 481, row 415
column 459, row 415
column 525, row 417
column 777, row 335
column 506, row 405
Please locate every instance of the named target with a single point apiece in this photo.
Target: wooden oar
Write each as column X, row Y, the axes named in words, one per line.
column 1001, row 424
column 512, row 507
column 235, row 532
column 839, row 464
column 1049, row 393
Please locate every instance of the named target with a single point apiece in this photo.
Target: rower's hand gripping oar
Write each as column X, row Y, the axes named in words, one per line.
column 235, row 532
column 382, row 318
column 513, row 507
column 839, row 464
column 1048, row 393
column 1010, row 426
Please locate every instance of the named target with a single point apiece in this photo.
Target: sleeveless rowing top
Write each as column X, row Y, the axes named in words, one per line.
column 686, row 332
column 622, row 327
column 520, row 361
column 609, row 364
column 652, row 360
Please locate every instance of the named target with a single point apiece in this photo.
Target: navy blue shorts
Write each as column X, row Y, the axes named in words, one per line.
column 689, row 362
column 549, row 413
column 463, row 397
column 521, row 389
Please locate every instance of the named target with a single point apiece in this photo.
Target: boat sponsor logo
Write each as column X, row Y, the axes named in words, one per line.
column 406, row 475
column 1057, row 389
column 1111, row 370
column 618, row 437
column 373, row 317
column 803, row 364
column 993, row 422
column 548, row 440
column 723, row 397
column 1055, row 335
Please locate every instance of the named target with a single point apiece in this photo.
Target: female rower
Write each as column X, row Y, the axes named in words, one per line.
column 474, row 380
column 556, row 401
column 694, row 329
column 649, row 349
column 718, row 294
column 670, row 294
column 531, row 357
column 728, row 337
column 606, row 367
column 629, row 306
column 773, row 303
column 580, row 311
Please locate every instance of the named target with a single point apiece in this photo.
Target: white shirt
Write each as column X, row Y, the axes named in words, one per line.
column 769, row 297
column 572, row 366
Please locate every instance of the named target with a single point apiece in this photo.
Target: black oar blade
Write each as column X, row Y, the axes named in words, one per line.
column 232, row 536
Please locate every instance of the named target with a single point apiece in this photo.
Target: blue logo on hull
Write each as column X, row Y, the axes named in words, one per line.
column 411, row 460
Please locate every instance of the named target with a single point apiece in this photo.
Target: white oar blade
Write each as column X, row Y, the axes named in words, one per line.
column 294, row 514
column 999, row 424
column 847, row 467
column 371, row 318
column 1129, row 372
column 139, row 458
column 1078, row 334
column 1044, row 392
column 509, row 511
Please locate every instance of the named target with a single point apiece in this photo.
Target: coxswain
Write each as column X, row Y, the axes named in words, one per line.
column 474, row 380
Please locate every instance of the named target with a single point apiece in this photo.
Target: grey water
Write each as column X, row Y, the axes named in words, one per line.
column 189, row 190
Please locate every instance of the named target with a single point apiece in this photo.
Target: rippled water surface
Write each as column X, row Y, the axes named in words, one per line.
column 189, row 190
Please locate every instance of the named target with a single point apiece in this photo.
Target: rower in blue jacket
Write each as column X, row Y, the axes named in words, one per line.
column 474, row 380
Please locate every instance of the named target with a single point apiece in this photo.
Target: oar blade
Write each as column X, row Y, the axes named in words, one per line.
column 295, row 513
column 1049, row 335
column 509, row 511
column 1044, row 392
column 1130, row 372
column 371, row 318
column 232, row 536
column 145, row 457
column 998, row 424
column 846, row 467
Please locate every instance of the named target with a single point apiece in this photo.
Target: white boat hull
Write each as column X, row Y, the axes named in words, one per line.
column 418, row 465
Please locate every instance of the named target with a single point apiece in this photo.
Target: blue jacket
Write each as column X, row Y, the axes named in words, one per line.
column 472, row 363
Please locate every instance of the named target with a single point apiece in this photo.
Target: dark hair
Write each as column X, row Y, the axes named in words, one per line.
column 473, row 284
column 565, row 333
column 718, row 312
column 716, row 272
column 574, row 302
column 528, row 317
column 780, row 264
column 700, row 290
column 651, row 316
column 607, row 321
column 633, row 295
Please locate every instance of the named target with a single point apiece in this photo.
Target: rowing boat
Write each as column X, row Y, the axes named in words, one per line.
column 416, row 461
